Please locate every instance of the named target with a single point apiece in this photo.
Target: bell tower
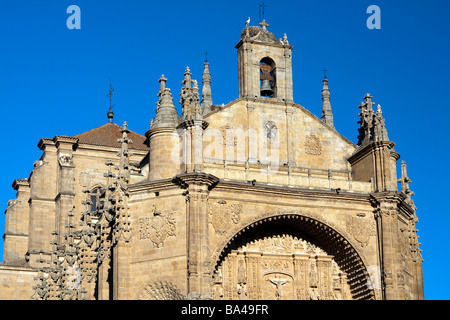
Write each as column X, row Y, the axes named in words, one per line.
column 265, row 65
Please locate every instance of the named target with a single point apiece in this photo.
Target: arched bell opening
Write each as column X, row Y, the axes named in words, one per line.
column 267, row 77
column 289, row 257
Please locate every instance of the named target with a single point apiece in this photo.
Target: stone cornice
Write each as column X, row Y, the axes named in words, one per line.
column 85, row 146
column 396, row 200
column 197, row 178
column 363, row 151
column 264, row 44
column 154, row 131
column 152, row 186
column 45, row 142
column 20, row 183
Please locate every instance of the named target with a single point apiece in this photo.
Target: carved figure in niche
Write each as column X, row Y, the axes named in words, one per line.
column 217, row 275
column 313, row 278
column 242, row 291
column 242, row 278
column 217, row 292
column 314, row 294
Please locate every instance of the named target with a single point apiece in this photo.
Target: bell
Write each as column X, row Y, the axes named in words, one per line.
column 266, row 89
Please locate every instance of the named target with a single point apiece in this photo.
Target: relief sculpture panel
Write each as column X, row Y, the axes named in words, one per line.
column 279, row 267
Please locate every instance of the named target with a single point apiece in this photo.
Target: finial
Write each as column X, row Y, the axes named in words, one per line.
column 368, row 98
column 379, row 110
column 327, row 114
column 187, row 78
column 325, row 73
column 110, row 113
column 162, row 81
column 206, row 56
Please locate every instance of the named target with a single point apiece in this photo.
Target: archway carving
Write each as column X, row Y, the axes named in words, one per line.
column 288, row 256
column 160, row 290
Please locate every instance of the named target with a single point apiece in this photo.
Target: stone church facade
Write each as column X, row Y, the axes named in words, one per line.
column 256, row 199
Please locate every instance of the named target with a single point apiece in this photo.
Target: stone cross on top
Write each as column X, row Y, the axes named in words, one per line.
column 264, row 24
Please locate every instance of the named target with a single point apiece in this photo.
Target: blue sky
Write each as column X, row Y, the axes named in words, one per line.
column 54, row 81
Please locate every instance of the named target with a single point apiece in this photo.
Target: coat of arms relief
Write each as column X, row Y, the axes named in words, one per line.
column 223, row 215
column 157, row 227
column 361, row 228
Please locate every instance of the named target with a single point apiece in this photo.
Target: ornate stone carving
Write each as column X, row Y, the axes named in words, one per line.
column 65, row 160
column 271, row 130
column 361, row 228
column 285, row 244
column 161, row 290
column 157, row 227
column 223, row 215
column 279, row 267
column 278, row 282
column 313, row 146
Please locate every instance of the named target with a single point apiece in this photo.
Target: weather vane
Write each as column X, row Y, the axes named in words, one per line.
column 111, row 90
column 110, row 112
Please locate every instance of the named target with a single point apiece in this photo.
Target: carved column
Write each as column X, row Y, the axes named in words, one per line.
column 65, row 183
column 198, row 255
column 387, row 224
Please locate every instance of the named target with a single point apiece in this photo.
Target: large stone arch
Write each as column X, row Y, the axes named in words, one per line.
column 312, row 229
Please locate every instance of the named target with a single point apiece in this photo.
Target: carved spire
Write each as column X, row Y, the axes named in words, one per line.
column 372, row 124
column 380, row 132
column 190, row 98
column 166, row 113
column 405, row 181
column 206, row 90
column 327, row 115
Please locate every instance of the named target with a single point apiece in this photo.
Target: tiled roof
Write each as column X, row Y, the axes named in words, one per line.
column 107, row 135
